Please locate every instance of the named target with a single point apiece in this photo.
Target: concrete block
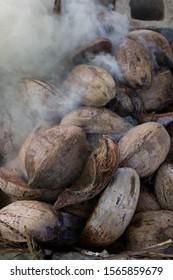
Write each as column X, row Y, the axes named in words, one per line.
column 155, row 14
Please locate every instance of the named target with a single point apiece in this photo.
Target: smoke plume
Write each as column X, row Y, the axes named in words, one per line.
column 35, row 42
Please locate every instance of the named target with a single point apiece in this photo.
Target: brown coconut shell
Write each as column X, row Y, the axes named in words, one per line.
column 149, row 228
column 169, row 129
column 147, row 201
column 97, row 120
column 164, row 186
column 156, row 45
column 126, row 102
column 114, row 210
column 134, row 63
column 160, row 93
column 144, row 148
column 91, row 85
column 98, row 45
column 40, row 98
column 55, row 157
column 36, row 219
column 97, row 172
column 82, row 209
column 7, row 148
column 70, row 230
column 14, row 186
column 43, row 126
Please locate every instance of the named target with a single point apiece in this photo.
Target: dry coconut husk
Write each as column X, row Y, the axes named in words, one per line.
column 91, row 85
column 147, row 201
column 149, row 228
column 39, row 219
column 160, row 93
column 7, row 147
column 164, row 185
column 134, row 63
column 97, row 120
column 97, row 172
column 55, row 157
column 156, row 45
column 14, row 185
column 144, row 148
column 39, row 97
column 126, row 102
column 41, row 127
column 83, row 54
column 114, row 210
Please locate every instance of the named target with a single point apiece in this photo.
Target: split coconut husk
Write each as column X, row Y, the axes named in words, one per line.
column 96, row 174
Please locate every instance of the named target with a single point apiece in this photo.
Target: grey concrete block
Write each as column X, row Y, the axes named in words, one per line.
column 153, row 14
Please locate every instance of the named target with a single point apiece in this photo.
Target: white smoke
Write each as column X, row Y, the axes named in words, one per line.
column 35, row 42
column 108, row 62
column 33, row 39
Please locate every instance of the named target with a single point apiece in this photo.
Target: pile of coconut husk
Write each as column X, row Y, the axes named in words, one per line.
column 94, row 181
